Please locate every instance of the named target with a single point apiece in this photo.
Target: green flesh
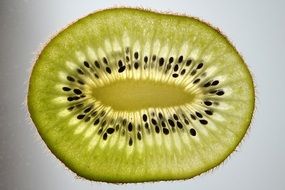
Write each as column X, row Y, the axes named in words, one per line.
column 92, row 134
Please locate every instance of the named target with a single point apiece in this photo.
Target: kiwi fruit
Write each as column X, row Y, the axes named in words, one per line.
column 130, row 95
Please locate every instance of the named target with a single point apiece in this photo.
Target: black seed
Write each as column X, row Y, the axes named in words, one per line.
column 171, row 123
column 152, row 114
column 94, row 114
column 121, row 69
column 81, row 116
column 139, row 135
column 70, row 99
column 102, row 113
column 127, row 49
column 80, row 71
column 220, row 93
column 198, row 114
column 130, row 127
column 80, row 82
column 203, row 121
column 180, row 59
column 108, row 70
column 77, row 91
column 104, row 123
column 87, row 119
column 157, row 130
column 105, row 60
column 79, row 105
column 76, row 98
column 161, row 61
column 136, row 65
column 127, row 58
column 117, row 127
column 174, row 75
column 66, row 89
column 70, row 108
column 82, row 96
column 186, row 121
column 95, row 74
column 146, row 125
column 168, row 67
column 200, row 66
column 179, row 125
column 97, row 64
column 175, row 116
column 176, row 67
column 215, row 82
column 188, row 62
column 165, row 131
column 105, row 136
column 170, row 60
column 110, row 130
column 207, row 84
column 183, row 72
column 124, row 122
column 87, row 110
column 129, row 66
column 209, row 112
column 193, row 72
column 163, row 124
column 196, row 81
column 208, row 103
column 100, row 131
column 153, row 121
column 130, row 142
column 193, row 116
column 145, row 59
column 136, row 55
column 96, row 121
column 71, row 79
column 139, row 127
column 193, row 132
column 86, row 64
column 120, row 63
column 153, row 57
column 144, row 117
column 160, row 115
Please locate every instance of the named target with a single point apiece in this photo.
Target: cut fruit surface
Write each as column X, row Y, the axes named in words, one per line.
column 128, row 95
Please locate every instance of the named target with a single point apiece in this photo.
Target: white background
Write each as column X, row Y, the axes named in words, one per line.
column 257, row 29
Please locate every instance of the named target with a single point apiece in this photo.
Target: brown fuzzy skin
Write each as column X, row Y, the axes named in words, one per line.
column 43, row 45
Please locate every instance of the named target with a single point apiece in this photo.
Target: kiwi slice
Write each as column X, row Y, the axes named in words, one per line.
column 129, row 95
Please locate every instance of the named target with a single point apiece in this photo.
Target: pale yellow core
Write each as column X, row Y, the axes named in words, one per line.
column 133, row 95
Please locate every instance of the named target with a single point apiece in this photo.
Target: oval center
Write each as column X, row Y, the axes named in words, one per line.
column 133, row 95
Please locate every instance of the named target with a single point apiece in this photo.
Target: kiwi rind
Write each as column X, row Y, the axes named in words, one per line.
column 39, row 121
